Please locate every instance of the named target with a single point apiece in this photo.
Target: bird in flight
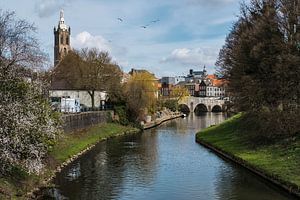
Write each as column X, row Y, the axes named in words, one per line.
column 120, row 19
column 143, row 26
column 154, row 21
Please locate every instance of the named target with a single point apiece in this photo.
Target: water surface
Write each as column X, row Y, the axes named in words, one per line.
column 160, row 164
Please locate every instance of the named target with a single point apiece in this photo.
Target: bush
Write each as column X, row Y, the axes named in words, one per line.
column 122, row 114
column 171, row 104
column 273, row 124
column 28, row 126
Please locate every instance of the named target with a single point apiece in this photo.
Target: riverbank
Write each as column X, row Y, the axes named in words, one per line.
column 165, row 117
column 69, row 147
column 277, row 162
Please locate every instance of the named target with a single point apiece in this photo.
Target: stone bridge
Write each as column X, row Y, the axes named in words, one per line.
column 202, row 104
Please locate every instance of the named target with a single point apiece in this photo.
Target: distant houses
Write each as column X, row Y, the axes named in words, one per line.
column 198, row 83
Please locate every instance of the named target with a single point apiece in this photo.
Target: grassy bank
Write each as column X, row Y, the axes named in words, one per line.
column 67, row 146
column 279, row 160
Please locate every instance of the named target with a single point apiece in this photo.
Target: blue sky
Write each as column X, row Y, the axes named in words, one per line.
column 189, row 34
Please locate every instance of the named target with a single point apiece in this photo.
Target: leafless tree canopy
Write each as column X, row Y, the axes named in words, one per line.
column 17, row 43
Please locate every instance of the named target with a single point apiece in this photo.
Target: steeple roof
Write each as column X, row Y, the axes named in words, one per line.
column 61, row 23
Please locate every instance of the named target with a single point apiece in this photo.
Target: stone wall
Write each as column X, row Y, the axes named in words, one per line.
column 72, row 122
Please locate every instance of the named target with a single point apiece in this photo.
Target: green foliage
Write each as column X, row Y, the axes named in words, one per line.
column 121, row 112
column 74, row 143
column 171, row 104
column 261, row 63
column 140, row 93
column 179, row 93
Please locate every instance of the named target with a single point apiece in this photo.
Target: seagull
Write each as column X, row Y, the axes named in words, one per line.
column 143, row 26
column 154, row 21
column 120, row 19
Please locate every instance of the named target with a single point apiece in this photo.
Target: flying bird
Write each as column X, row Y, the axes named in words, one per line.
column 120, row 19
column 154, row 21
column 143, row 26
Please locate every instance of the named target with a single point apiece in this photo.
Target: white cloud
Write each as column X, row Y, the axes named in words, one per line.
column 86, row 40
column 196, row 56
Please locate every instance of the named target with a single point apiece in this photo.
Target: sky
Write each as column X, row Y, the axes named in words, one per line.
column 179, row 34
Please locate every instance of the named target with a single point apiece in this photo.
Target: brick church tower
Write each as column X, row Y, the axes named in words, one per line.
column 61, row 39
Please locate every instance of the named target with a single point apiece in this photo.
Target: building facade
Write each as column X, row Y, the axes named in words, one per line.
column 202, row 89
column 213, row 91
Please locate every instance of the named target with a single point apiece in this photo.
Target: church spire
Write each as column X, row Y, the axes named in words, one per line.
column 61, row 14
column 61, row 19
column 61, row 39
column 61, row 23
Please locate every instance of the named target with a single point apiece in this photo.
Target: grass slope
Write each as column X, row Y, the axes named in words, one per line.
column 68, row 145
column 281, row 159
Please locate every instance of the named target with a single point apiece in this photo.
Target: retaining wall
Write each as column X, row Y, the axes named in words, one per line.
column 72, row 122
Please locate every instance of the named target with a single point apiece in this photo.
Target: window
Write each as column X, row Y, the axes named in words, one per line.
column 61, row 40
column 67, row 40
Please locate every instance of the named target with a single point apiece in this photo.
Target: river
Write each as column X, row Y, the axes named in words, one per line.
column 164, row 163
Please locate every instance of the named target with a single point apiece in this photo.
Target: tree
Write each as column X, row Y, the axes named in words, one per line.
column 90, row 70
column 28, row 127
column 263, row 68
column 141, row 95
column 17, row 46
column 176, row 94
column 179, row 93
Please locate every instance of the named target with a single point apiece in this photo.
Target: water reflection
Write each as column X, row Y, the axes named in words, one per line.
column 162, row 163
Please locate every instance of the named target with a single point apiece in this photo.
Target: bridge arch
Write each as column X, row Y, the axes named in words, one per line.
column 216, row 108
column 184, row 108
column 200, row 108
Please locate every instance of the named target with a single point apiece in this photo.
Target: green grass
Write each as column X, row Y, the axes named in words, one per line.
column 68, row 145
column 280, row 159
column 71, row 144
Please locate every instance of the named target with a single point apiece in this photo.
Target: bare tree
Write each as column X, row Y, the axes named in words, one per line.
column 90, row 70
column 17, row 44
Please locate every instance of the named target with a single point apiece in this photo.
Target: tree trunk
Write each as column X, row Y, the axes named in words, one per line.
column 92, row 95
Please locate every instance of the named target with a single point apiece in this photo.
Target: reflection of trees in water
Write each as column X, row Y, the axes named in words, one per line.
column 104, row 169
column 197, row 122
column 233, row 182
column 142, row 160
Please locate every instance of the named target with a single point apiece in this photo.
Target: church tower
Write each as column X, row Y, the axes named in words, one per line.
column 61, row 39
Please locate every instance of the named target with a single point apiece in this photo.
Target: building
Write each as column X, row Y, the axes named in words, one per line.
column 196, row 76
column 213, row 91
column 192, row 88
column 60, row 87
column 61, row 39
column 202, row 89
column 136, row 71
column 167, row 83
column 215, row 87
column 179, row 79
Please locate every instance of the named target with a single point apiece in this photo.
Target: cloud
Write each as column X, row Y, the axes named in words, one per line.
column 46, row 8
column 85, row 39
column 196, row 56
